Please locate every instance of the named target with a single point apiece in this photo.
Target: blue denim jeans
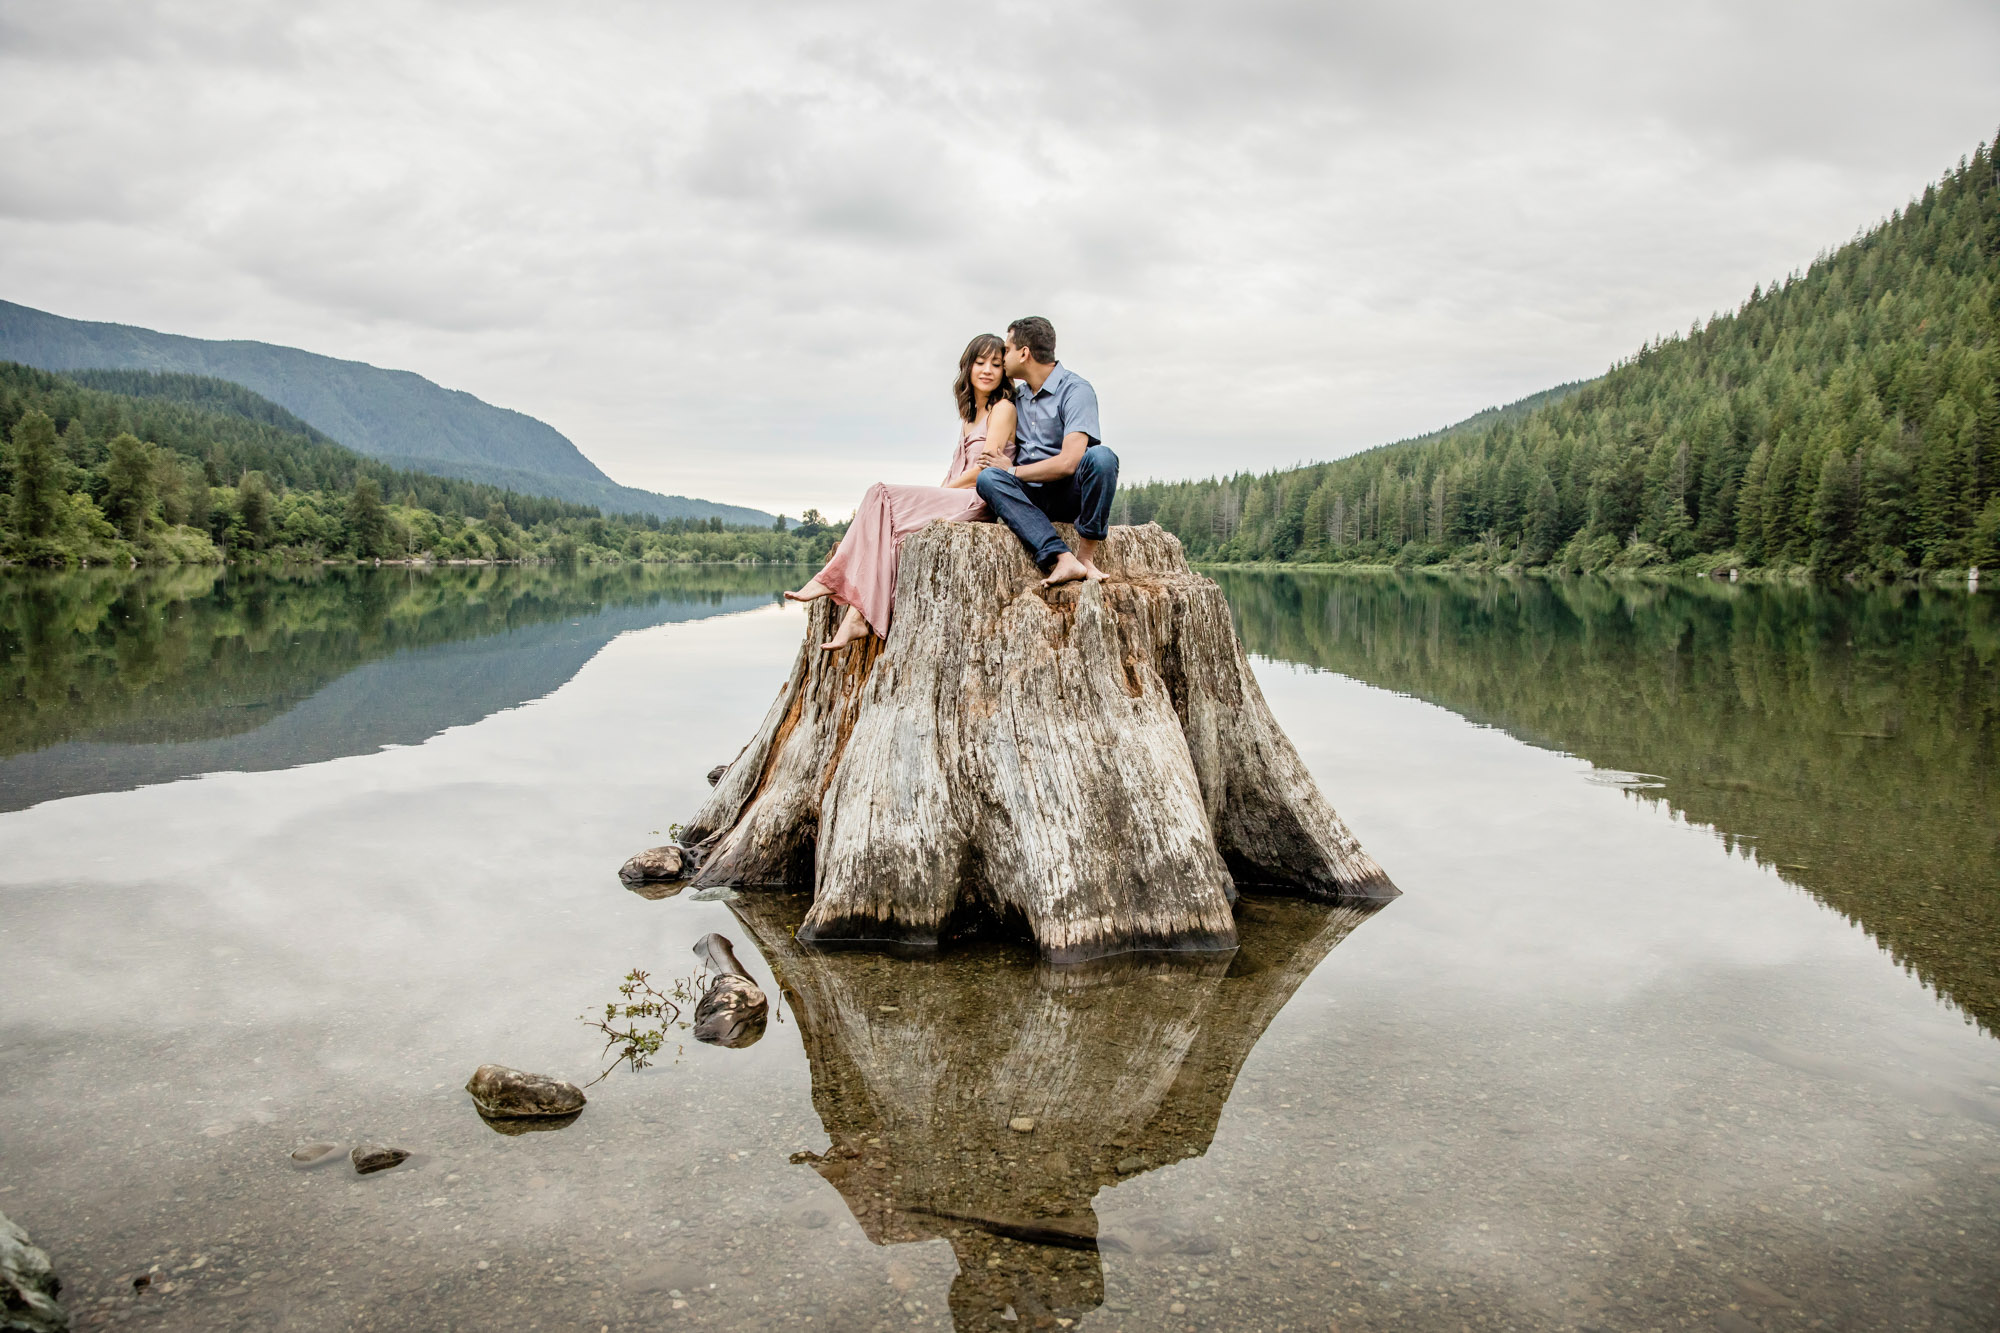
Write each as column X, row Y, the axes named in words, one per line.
column 1032, row 510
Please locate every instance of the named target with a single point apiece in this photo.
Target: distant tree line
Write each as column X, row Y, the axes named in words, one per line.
column 1843, row 421
column 122, row 466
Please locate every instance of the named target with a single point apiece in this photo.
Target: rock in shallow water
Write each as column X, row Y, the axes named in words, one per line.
column 372, row 1157
column 28, row 1284
column 656, row 863
column 515, row 1126
column 314, row 1154
column 502, row 1093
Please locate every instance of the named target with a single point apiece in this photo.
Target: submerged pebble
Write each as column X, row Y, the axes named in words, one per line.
column 314, row 1154
column 372, row 1157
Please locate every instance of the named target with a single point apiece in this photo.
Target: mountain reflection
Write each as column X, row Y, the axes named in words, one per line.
column 1848, row 739
column 112, row 680
column 926, row 1074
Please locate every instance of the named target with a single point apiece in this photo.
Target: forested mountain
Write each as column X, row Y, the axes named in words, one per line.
column 1844, row 420
column 393, row 415
column 206, row 468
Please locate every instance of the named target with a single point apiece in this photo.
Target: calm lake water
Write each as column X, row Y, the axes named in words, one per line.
column 1686, row 1018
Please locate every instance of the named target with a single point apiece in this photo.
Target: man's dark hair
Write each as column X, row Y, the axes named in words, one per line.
column 1037, row 335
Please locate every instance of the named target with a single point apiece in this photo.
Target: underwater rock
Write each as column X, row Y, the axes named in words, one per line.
column 502, row 1093
column 732, row 1011
column 654, row 864
column 28, row 1284
column 314, row 1154
column 515, row 1126
column 716, row 893
column 372, row 1157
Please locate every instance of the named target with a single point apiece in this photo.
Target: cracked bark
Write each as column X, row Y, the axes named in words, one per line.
column 1094, row 763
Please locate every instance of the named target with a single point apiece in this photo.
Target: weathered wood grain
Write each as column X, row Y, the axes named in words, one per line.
column 1092, row 763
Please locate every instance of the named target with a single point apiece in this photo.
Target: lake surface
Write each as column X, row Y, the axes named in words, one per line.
column 1685, row 1019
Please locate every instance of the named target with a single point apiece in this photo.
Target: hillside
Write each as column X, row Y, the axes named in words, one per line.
column 203, row 470
column 393, row 415
column 1843, row 421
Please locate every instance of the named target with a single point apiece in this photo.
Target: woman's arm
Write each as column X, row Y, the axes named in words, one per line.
column 999, row 444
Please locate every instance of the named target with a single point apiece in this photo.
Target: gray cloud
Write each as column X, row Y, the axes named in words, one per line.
column 734, row 252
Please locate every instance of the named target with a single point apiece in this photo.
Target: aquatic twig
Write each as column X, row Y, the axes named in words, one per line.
column 638, row 1026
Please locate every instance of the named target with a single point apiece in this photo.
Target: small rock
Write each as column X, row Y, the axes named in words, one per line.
column 1176, row 1308
column 314, row 1154
column 1127, row 1165
column 500, row 1093
column 516, row 1125
column 28, row 1284
column 714, row 893
column 715, row 774
column 1022, row 1124
column 656, row 863
column 372, row 1157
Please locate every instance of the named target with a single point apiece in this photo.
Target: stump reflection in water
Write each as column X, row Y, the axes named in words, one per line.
column 921, row 1066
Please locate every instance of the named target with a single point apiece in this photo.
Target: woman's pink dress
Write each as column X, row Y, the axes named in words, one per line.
column 862, row 569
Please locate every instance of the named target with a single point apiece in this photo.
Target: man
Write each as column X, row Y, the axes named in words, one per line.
column 1062, row 472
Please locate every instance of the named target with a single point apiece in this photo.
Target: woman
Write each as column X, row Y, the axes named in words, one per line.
column 861, row 574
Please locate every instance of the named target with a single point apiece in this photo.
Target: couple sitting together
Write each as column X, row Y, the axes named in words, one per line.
column 1028, row 451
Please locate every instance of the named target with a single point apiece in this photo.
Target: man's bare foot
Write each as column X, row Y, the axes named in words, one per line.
column 1068, row 569
column 812, row 592
column 1086, row 554
column 852, row 627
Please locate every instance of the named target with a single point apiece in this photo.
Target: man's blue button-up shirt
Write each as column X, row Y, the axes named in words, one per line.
column 1065, row 403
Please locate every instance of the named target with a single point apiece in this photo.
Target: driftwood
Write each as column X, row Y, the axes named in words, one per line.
column 989, row 1098
column 1093, row 763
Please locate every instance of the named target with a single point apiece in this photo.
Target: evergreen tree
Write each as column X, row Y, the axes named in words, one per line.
column 131, row 486
column 253, row 510
column 38, row 498
column 367, row 523
column 1833, row 517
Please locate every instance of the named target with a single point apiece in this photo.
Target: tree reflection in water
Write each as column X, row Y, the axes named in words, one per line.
column 927, row 1072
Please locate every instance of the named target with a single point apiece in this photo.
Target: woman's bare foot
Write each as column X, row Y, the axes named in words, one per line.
column 812, row 592
column 1068, row 569
column 852, row 627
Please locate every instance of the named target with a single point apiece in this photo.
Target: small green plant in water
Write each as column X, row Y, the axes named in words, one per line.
column 637, row 1027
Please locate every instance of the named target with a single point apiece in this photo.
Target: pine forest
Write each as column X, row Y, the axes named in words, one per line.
column 1843, row 422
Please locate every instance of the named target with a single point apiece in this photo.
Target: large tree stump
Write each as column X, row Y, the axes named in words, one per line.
column 1094, row 763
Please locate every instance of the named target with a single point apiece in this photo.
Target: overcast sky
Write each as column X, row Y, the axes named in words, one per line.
column 733, row 251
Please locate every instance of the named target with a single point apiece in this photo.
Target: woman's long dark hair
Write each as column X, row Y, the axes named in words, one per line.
column 986, row 344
